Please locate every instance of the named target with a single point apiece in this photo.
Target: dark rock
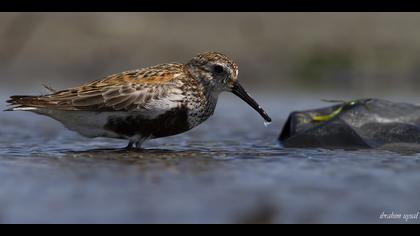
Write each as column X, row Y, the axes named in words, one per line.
column 366, row 123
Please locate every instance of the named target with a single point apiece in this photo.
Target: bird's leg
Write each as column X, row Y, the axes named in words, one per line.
column 138, row 145
column 130, row 145
column 140, row 141
column 135, row 143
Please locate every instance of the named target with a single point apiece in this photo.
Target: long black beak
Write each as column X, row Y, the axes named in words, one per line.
column 239, row 91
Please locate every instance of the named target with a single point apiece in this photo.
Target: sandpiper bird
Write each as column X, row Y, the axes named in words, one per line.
column 148, row 103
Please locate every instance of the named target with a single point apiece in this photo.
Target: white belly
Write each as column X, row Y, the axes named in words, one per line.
column 87, row 123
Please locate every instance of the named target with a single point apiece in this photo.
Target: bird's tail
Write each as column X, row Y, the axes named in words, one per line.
column 23, row 103
column 28, row 103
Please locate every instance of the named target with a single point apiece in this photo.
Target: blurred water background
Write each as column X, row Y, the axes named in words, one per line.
column 231, row 169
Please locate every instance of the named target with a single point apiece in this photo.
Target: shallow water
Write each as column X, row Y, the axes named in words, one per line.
column 229, row 170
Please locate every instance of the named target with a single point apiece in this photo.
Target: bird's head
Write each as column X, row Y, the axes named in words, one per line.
column 219, row 73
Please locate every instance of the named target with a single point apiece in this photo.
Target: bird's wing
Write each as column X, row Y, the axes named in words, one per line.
column 153, row 89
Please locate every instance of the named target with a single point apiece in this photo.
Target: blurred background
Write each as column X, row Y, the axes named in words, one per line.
column 358, row 54
column 231, row 168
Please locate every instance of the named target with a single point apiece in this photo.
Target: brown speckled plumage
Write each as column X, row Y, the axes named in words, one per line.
column 152, row 102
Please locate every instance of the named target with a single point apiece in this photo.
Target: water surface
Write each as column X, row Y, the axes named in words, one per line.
column 229, row 170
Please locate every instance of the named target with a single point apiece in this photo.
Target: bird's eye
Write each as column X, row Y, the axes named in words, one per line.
column 219, row 69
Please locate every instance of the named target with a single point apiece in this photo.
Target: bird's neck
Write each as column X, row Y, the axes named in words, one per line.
column 209, row 103
column 201, row 103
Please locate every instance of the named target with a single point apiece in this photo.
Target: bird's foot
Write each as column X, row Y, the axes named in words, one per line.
column 134, row 146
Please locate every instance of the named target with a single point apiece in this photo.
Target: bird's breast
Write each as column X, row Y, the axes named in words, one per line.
column 200, row 110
